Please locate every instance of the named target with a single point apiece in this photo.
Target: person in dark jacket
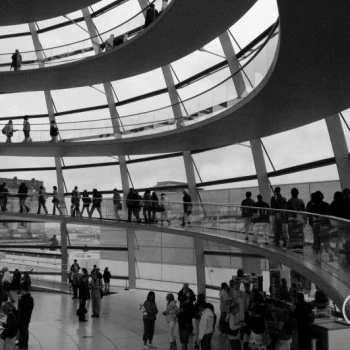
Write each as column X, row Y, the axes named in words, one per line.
column 186, row 292
column 150, row 311
column 151, row 15
column 26, row 282
column 53, row 131
column 184, row 318
column 83, row 294
column 247, row 213
column 16, row 63
column 16, row 280
column 147, row 206
column 25, row 309
column 304, row 317
column 10, row 326
column 86, row 202
column 4, row 195
column 278, row 202
column 96, row 202
column 107, row 279
column 263, row 213
column 187, row 205
column 22, row 196
column 155, row 205
column 133, row 205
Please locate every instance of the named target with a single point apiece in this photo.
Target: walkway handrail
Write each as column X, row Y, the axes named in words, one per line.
column 312, row 244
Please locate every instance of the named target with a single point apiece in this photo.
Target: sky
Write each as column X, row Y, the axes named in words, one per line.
column 290, row 148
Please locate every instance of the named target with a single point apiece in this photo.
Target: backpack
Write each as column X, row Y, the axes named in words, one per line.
column 5, row 129
column 225, row 328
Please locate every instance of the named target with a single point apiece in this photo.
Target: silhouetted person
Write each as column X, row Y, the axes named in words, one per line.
column 187, row 205
column 42, row 200
column 317, row 223
column 262, row 214
column 278, row 202
column 151, row 15
column 304, row 317
column 26, row 129
column 247, row 213
column 8, row 130
column 25, row 308
column 132, row 203
column 16, row 63
column 96, row 202
column 296, row 221
column 22, row 196
column 53, row 131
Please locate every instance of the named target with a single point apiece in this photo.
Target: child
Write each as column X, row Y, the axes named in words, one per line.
column 170, row 314
column 149, row 317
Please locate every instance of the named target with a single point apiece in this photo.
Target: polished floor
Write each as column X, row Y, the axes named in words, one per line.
column 55, row 325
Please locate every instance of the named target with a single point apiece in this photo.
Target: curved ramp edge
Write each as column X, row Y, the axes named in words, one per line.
column 336, row 289
column 161, row 43
column 308, row 81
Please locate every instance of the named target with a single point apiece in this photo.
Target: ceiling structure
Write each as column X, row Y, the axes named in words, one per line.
column 171, row 37
column 27, row 11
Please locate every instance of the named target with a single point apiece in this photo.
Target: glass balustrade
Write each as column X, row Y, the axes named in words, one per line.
column 320, row 240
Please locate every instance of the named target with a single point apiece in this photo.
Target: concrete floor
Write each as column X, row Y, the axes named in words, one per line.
column 55, row 325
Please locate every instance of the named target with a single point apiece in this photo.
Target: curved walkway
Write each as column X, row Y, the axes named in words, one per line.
column 184, row 27
column 307, row 82
column 24, row 11
column 337, row 286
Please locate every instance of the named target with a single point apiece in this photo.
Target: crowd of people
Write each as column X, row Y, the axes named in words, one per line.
column 288, row 227
column 153, row 209
column 86, row 287
column 16, row 325
column 248, row 319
